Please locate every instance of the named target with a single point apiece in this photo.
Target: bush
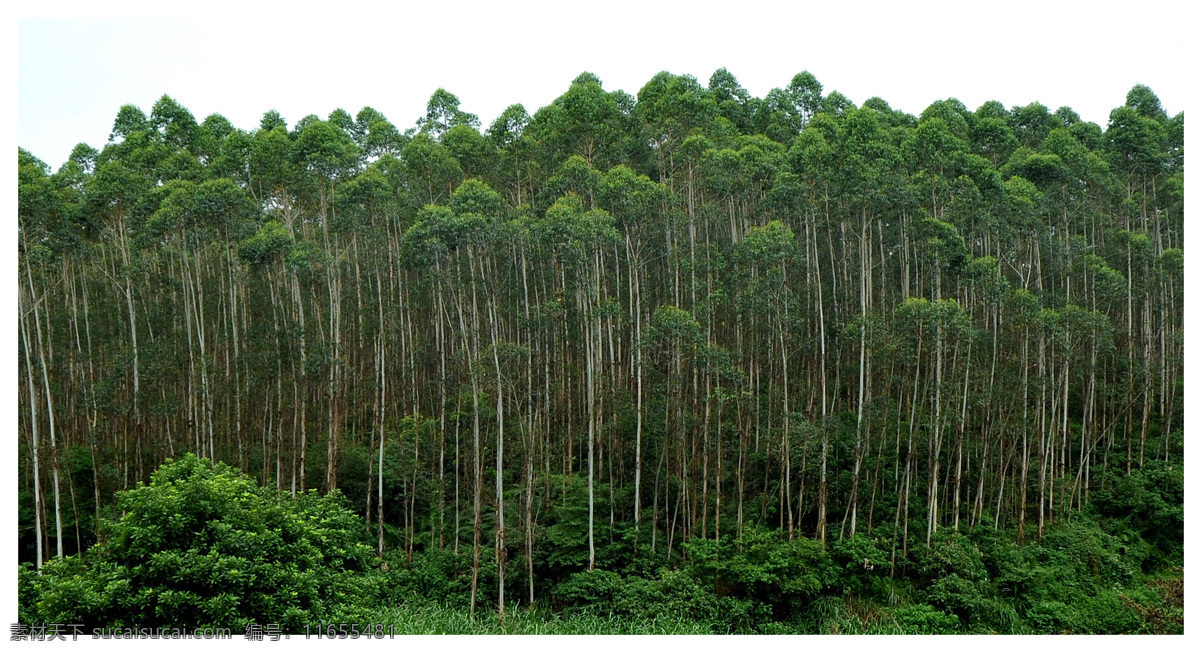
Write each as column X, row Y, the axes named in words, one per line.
column 597, row 587
column 437, row 576
column 202, row 545
column 951, row 552
column 861, row 563
column 1082, row 555
column 1104, row 613
column 765, row 567
column 674, row 596
column 925, row 620
column 970, row 600
column 1049, row 617
column 1150, row 501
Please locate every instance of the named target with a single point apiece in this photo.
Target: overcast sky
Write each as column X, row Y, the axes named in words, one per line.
column 74, row 74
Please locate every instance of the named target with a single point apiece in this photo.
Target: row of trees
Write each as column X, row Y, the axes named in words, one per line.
column 682, row 313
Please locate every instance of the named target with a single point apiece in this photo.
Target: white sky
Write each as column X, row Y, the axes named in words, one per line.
column 71, row 75
column 74, row 74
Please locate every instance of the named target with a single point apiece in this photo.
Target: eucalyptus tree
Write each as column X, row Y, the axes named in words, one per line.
column 762, row 260
column 174, row 124
column 869, row 178
column 442, row 113
column 1135, row 139
column 328, row 153
column 39, row 216
column 814, row 154
column 805, row 92
column 992, row 136
column 507, row 135
column 224, row 209
column 586, row 121
column 473, row 152
column 633, row 201
column 129, row 121
column 574, row 238
column 481, row 209
column 671, row 107
column 575, row 176
column 442, row 235
column 1033, row 123
column 734, row 103
column 941, row 242
column 430, row 171
column 263, row 253
column 110, row 194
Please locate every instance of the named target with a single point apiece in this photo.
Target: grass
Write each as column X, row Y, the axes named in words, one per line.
column 430, row 619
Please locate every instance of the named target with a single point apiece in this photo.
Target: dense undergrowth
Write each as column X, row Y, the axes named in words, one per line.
column 203, row 545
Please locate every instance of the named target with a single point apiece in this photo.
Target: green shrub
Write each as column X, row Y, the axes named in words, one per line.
column 205, row 546
column 924, row 620
column 763, row 565
column 1104, row 613
column 1150, row 501
column 1049, row 617
column 675, row 595
column 861, row 561
column 441, row 576
column 951, row 552
column 971, row 601
column 597, row 587
column 1081, row 554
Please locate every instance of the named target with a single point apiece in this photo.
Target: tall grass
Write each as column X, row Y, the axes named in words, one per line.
column 431, row 619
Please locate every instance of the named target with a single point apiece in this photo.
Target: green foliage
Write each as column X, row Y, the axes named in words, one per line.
column 673, row 595
column 951, row 553
column 442, row 113
column 202, row 545
column 1104, row 613
column 763, row 567
column 1086, row 556
column 861, row 562
column 271, row 241
column 590, row 587
column 969, row 600
column 1150, row 502
column 924, row 620
column 1049, row 616
column 562, row 542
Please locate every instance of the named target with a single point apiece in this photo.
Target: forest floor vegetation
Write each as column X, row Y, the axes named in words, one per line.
column 206, row 546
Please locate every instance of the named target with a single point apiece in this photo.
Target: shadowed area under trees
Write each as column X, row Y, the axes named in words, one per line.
column 685, row 361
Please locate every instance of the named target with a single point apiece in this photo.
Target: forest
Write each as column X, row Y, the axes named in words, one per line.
column 685, row 361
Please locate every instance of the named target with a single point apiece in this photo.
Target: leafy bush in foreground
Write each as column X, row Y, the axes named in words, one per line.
column 204, row 545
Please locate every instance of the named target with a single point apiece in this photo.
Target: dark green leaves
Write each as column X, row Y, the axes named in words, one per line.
column 202, row 545
column 325, row 149
column 271, row 241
